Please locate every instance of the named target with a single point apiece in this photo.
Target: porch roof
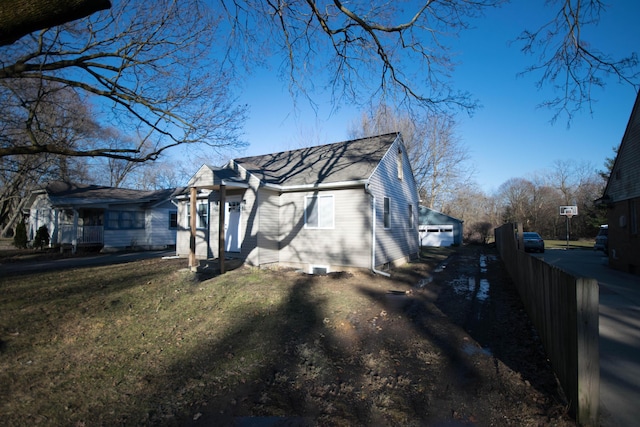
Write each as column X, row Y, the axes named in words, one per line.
column 211, row 177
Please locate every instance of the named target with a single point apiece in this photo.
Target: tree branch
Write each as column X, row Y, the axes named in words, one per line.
column 21, row 17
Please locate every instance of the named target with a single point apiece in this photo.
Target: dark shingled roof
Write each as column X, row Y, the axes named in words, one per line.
column 69, row 193
column 339, row 162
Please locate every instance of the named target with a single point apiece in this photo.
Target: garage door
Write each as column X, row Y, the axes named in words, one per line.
column 436, row 235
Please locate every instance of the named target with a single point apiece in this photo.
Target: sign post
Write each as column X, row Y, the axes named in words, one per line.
column 568, row 212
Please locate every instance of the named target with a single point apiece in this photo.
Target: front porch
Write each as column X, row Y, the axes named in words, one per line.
column 83, row 235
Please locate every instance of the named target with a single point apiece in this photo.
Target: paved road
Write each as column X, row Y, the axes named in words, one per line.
column 25, row 267
column 619, row 333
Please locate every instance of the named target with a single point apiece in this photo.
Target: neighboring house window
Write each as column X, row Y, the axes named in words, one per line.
column 318, row 212
column 387, row 213
column 399, row 165
column 125, row 220
column 173, row 219
column 410, row 216
column 202, row 214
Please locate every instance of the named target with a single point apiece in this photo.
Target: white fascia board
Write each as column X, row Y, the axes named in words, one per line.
column 181, row 197
column 327, row 186
column 235, row 184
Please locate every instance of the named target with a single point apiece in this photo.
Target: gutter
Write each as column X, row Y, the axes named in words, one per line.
column 373, row 233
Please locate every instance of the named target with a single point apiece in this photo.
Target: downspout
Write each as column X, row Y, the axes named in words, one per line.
column 373, row 233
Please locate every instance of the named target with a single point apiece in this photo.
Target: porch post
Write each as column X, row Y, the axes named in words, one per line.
column 54, row 233
column 74, row 236
column 221, row 214
column 192, row 228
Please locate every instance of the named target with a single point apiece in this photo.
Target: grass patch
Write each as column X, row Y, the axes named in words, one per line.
column 149, row 343
column 139, row 342
column 573, row 244
column 144, row 342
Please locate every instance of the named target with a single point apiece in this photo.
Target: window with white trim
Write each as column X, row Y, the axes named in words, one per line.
column 387, row 213
column 173, row 219
column 318, row 211
column 399, row 165
column 202, row 214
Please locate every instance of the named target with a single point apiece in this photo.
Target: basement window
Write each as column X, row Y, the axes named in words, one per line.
column 319, row 269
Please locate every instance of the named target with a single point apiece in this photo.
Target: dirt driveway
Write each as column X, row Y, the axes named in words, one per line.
column 442, row 345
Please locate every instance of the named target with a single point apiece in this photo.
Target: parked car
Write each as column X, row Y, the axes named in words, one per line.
column 533, row 242
column 602, row 240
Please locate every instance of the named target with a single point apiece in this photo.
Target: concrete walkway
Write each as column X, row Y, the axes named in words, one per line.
column 80, row 261
column 619, row 333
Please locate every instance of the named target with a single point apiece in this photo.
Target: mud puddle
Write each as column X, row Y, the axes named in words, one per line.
column 469, row 277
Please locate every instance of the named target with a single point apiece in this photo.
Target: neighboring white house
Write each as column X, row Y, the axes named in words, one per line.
column 328, row 208
column 105, row 217
column 438, row 229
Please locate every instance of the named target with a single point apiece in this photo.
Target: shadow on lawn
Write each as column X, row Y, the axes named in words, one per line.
column 271, row 385
column 34, row 287
column 309, row 373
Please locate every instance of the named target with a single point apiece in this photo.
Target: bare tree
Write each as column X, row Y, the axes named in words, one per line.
column 535, row 201
column 63, row 121
column 445, row 162
column 478, row 211
column 359, row 51
column 438, row 159
column 568, row 62
column 402, row 45
column 580, row 184
column 144, row 67
column 516, row 196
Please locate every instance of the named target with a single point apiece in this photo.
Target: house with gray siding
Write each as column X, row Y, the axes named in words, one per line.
column 104, row 217
column 622, row 198
column 327, row 208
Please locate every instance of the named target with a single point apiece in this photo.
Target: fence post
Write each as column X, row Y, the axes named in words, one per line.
column 588, row 337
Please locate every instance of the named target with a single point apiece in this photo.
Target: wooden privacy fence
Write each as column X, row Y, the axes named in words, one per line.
column 564, row 309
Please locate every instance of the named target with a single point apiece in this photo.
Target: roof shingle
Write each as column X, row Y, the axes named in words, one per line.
column 339, row 162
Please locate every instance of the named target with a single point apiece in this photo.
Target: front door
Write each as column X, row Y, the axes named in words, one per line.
column 232, row 224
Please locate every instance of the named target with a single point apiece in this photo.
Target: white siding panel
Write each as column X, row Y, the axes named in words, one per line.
column 183, row 234
column 399, row 241
column 116, row 239
column 41, row 213
column 269, row 227
column 158, row 232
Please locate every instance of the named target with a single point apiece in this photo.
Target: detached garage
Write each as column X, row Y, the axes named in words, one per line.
column 438, row 229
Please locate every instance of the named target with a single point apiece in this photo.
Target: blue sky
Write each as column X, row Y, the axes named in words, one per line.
column 508, row 136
